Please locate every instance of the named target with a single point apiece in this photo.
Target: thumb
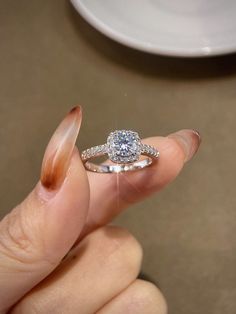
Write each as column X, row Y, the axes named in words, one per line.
column 37, row 234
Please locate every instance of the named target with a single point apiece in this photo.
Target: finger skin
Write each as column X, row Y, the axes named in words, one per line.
column 38, row 233
column 115, row 192
column 103, row 265
column 141, row 297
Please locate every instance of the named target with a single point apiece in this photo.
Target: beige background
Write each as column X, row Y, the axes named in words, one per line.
column 50, row 60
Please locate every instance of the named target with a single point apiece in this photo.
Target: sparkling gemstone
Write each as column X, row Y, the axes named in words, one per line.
column 124, row 146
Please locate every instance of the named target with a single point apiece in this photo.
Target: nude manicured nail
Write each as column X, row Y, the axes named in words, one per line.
column 59, row 150
column 189, row 140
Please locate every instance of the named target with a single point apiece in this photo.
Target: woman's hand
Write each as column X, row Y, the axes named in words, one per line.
column 68, row 206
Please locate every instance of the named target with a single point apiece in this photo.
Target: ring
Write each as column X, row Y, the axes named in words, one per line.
column 124, row 149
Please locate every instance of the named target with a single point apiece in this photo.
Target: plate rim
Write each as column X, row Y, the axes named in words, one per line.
column 147, row 47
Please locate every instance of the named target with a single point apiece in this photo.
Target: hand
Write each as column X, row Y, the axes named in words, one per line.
column 68, row 205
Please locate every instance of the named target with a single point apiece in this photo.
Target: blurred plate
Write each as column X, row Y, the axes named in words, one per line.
column 190, row 28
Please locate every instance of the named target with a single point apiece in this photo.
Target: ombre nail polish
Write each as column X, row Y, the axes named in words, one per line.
column 59, row 150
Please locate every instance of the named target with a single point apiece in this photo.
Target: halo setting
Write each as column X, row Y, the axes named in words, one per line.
column 123, row 146
column 124, row 149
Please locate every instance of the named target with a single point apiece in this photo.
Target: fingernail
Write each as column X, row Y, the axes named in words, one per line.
column 190, row 141
column 59, row 150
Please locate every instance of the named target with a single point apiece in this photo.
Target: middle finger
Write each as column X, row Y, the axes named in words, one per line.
column 103, row 265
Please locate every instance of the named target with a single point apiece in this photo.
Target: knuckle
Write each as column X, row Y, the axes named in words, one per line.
column 146, row 296
column 174, row 148
column 121, row 249
column 27, row 306
column 173, row 155
column 19, row 239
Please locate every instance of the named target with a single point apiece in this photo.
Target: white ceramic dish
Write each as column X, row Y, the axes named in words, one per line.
column 189, row 28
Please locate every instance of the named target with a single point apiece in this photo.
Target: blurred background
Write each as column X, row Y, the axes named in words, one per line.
column 51, row 60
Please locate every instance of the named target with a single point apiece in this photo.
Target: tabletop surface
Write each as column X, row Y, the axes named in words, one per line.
column 50, row 60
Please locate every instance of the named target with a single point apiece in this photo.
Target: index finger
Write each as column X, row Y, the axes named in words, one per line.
column 111, row 193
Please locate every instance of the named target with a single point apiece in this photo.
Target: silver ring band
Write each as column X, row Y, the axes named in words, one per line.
column 123, row 153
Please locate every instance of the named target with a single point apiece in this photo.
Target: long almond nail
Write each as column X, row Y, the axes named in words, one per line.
column 190, row 141
column 59, row 150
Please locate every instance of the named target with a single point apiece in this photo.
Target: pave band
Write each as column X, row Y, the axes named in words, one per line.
column 124, row 149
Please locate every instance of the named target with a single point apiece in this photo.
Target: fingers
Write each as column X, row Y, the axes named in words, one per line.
column 36, row 235
column 117, row 191
column 139, row 298
column 103, row 265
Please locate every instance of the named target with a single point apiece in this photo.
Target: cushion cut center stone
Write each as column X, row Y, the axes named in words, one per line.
column 123, row 146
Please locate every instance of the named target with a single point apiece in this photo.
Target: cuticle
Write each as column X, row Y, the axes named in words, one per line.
column 44, row 194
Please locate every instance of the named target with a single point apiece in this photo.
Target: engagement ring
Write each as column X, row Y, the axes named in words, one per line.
column 125, row 152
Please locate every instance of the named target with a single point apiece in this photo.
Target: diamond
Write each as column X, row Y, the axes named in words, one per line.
column 124, row 146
